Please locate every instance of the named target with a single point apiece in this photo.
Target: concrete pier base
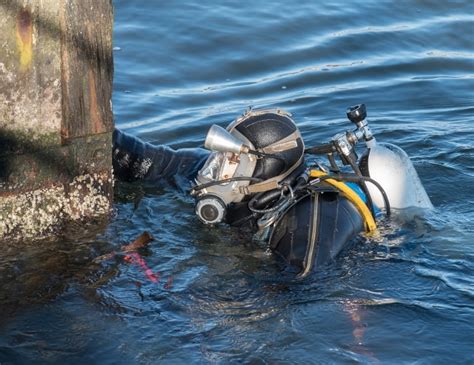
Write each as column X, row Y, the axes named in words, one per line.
column 56, row 122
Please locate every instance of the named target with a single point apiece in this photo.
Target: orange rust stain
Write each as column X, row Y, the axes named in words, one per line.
column 94, row 111
column 24, row 38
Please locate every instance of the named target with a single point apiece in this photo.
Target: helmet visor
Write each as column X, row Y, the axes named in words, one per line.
column 219, row 166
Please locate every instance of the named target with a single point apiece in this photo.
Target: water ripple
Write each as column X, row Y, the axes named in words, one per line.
column 185, row 65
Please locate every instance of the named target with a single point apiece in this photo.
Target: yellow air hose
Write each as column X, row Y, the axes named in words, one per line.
column 350, row 194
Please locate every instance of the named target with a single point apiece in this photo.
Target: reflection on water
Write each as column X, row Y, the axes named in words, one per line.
column 405, row 296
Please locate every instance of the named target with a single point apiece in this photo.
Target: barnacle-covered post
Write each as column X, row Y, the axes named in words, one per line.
column 56, row 123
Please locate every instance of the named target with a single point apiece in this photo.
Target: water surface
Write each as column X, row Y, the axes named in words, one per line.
column 180, row 66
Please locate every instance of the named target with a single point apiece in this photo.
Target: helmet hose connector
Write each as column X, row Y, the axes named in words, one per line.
column 210, row 209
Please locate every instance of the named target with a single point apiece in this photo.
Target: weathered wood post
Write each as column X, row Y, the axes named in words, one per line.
column 56, row 71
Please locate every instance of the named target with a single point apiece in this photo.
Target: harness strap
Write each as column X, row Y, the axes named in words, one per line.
column 270, row 184
column 266, row 185
column 287, row 143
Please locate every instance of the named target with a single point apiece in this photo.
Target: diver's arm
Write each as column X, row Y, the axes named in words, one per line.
column 134, row 159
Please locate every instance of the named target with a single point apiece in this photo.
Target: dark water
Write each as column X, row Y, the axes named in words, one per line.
column 180, row 66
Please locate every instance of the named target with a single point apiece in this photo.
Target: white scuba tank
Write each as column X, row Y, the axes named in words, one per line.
column 391, row 167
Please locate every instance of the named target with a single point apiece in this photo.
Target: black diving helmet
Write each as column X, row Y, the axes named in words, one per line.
column 255, row 154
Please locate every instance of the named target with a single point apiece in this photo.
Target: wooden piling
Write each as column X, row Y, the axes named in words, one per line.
column 56, row 122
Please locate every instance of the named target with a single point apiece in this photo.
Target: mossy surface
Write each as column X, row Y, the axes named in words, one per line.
column 55, row 137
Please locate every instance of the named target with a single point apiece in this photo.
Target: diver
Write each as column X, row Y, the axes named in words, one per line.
column 257, row 175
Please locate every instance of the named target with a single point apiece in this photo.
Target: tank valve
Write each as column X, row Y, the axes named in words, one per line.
column 357, row 114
